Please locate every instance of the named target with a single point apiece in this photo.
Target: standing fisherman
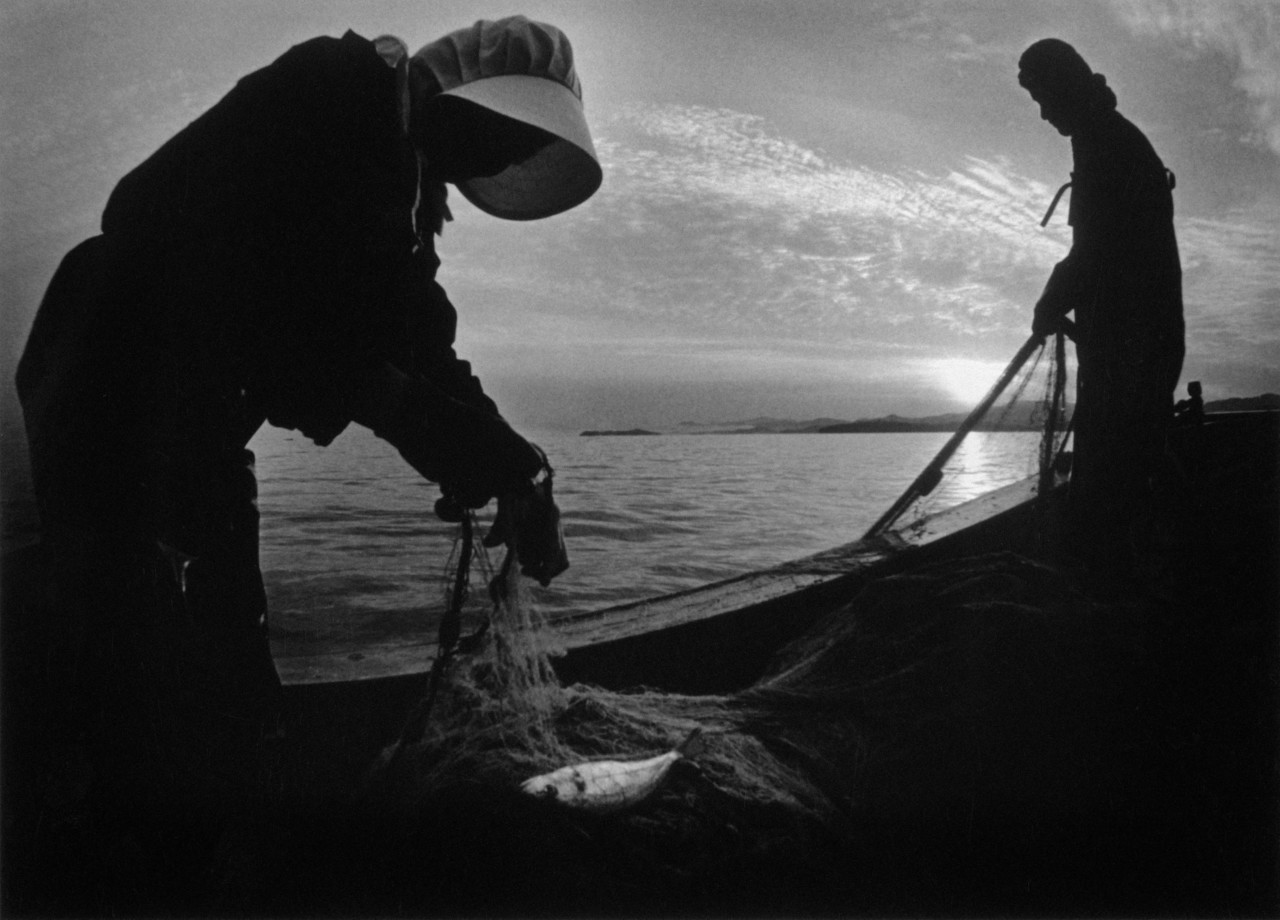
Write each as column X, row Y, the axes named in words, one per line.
column 272, row 262
column 1123, row 279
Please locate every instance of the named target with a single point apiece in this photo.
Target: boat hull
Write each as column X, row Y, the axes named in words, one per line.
column 715, row 639
column 722, row 637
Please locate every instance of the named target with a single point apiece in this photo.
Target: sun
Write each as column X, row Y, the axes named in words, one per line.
column 964, row 379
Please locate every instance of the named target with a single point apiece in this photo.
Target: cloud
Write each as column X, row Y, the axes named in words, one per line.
column 1248, row 34
column 720, row 250
column 1231, row 264
column 757, row 228
column 1231, row 288
column 719, row 247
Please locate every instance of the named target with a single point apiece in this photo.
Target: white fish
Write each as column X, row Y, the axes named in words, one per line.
column 610, row 785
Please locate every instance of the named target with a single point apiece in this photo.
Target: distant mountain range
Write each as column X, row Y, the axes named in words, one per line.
column 759, row 425
column 606, row 433
column 1018, row 419
column 1244, row 403
column 1022, row 417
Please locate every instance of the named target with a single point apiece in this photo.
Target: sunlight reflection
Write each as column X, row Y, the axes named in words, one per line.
column 964, row 379
column 985, row 461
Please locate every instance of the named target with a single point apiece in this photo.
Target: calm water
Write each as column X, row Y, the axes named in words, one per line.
column 352, row 553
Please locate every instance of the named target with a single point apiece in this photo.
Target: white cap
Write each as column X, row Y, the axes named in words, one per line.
column 523, row 70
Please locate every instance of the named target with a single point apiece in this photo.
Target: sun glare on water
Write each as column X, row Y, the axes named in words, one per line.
column 964, row 379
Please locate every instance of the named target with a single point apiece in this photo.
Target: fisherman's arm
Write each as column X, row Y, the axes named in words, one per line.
column 1059, row 298
column 474, row 455
column 431, row 328
column 1117, row 200
column 1075, row 277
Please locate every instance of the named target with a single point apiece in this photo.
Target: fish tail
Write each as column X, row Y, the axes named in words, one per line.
column 693, row 744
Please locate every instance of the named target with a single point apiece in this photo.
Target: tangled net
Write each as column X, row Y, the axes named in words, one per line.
column 1037, row 398
column 948, row 698
column 502, row 716
column 898, row 710
column 976, row 736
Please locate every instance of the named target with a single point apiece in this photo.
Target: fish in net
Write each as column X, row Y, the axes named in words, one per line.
column 502, row 716
column 976, row 735
column 954, row 704
column 894, row 710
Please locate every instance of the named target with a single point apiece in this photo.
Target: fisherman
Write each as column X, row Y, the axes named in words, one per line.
column 1190, row 411
column 1123, row 280
column 272, row 262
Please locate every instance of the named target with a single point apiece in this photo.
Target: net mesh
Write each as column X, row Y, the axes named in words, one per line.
column 934, row 700
column 502, row 716
column 1034, row 401
column 893, row 704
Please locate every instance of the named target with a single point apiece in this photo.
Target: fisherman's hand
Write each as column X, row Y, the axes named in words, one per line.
column 1045, row 322
column 530, row 524
column 1054, row 302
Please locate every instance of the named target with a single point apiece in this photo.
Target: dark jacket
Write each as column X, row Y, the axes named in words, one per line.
column 1123, row 276
column 251, row 268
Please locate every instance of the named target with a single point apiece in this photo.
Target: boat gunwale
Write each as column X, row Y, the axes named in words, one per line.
column 825, row 569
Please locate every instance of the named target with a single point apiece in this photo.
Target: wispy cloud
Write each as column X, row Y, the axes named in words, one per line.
column 1231, row 282
column 1247, row 33
column 718, row 244
column 844, row 250
column 871, row 215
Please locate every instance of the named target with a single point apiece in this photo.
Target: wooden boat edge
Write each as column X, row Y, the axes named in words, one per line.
column 629, row 634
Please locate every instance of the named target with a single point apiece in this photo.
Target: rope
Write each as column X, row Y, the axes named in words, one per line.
column 451, row 622
column 1056, row 407
column 1050, row 415
column 448, row 637
column 1044, row 222
column 929, row 478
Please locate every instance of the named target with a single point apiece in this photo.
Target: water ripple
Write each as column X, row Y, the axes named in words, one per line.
column 352, row 552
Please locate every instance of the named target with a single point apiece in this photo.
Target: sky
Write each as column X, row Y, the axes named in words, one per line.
column 808, row 209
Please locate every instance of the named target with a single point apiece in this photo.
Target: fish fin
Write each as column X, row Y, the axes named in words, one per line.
column 693, row 744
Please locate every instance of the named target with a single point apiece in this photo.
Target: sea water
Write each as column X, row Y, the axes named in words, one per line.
column 352, row 553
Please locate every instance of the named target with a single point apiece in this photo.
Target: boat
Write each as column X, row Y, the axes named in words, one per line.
column 721, row 637
column 668, row 642
column 344, row 709
column 714, row 638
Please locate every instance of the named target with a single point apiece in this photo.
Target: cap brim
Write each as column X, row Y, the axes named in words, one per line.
column 558, row 177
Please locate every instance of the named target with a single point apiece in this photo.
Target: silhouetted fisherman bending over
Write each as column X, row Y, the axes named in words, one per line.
column 1123, row 279
column 273, row 262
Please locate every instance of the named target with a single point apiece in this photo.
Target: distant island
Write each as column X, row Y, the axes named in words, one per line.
column 629, row 433
column 1021, row 417
column 1244, row 403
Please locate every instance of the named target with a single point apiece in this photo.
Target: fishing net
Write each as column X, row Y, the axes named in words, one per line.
column 974, row 736
column 961, row 710
column 1034, row 401
column 501, row 716
column 896, row 710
